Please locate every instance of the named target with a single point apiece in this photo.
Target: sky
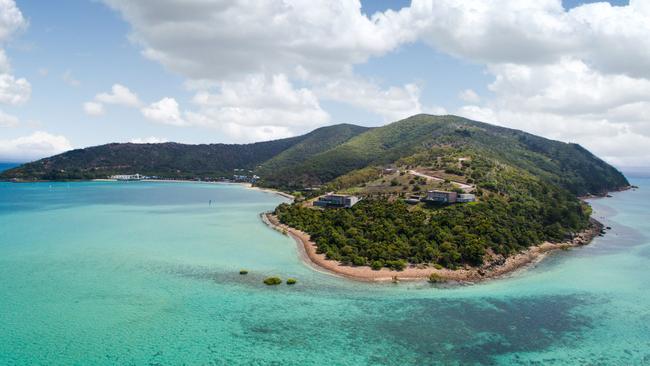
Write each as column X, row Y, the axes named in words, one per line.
column 78, row 73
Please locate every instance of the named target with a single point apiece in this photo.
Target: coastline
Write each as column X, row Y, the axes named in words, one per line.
column 247, row 185
column 497, row 267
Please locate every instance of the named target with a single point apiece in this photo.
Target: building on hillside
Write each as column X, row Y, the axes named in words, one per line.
column 441, row 196
column 466, row 197
column 389, row 171
column 336, row 200
column 413, row 200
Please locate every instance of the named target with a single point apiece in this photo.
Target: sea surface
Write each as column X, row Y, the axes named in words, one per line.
column 139, row 273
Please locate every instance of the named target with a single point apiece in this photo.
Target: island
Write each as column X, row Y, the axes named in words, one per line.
column 427, row 197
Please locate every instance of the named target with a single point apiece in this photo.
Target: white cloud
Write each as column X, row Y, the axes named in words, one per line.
column 165, row 111
column 149, row 140
column 469, row 96
column 323, row 36
column 11, row 19
column 259, row 107
column 120, row 95
column 7, row 120
column 5, row 65
column 392, row 104
column 14, row 91
column 94, row 108
column 35, row 146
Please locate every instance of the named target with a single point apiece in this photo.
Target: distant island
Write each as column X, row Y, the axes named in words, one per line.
column 438, row 197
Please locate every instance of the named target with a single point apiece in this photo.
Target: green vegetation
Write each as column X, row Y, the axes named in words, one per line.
column 272, row 281
column 243, row 272
column 182, row 161
column 515, row 210
column 435, row 278
column 411, row 141
column 291, row 281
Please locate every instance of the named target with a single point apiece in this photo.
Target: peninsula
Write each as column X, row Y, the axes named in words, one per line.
column 441, row 195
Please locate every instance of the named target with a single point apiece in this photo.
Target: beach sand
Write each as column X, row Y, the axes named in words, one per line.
column 497, row 266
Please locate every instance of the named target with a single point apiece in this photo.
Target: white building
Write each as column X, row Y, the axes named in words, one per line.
column 128, row 177
column 466, row 197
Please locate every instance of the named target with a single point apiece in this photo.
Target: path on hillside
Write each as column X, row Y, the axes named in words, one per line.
column 462, row 186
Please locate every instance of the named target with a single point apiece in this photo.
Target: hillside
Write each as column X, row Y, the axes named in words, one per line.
column 525, row 188
column 179, row 160
column 568, row 165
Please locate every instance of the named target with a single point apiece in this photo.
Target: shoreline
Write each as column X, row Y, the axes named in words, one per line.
column 496, row 268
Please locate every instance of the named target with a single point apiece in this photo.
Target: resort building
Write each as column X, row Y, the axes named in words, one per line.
column 413, row 200
column 337, row 200
column 466, row 197
column 128, row 177
column 441, row 196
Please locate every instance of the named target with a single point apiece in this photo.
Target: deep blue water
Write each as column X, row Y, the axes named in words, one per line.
column 148, row 273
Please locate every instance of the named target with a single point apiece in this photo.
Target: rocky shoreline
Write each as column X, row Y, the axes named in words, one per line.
column 496, row 266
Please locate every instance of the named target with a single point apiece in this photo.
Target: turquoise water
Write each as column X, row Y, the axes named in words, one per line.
column 147, row 274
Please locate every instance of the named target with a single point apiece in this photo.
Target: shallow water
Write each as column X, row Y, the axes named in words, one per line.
column 147, row 274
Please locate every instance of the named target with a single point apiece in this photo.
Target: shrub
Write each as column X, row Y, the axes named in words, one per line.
column 243, row 272
column 377, row 265
column 291, row 281
column 437, row 266
column 394, row 182
column 397, row 265
column 272, row 281
column 435, row 278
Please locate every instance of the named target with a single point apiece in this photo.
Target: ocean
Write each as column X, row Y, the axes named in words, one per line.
column 141, row 273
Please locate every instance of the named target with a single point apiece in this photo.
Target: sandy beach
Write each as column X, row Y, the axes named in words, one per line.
column 496, row 267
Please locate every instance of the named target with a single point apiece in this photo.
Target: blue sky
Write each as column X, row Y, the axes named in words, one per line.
column 237, row 82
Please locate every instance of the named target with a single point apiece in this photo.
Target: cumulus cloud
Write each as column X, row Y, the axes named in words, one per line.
column 119, row 95
column 11, row 19
column 94, row 108
column 255, row 41
column 35, row 146
column 323, row 36
column 392, row 103
column 165, row 111
column 258, row 107
column 14, row 91
column 149, row 140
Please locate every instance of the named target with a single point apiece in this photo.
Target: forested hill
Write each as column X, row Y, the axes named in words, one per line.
column 411, row 141
column 328, row 153
column 178, row 160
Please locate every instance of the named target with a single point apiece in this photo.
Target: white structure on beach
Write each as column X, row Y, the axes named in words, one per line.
column 128, row 177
